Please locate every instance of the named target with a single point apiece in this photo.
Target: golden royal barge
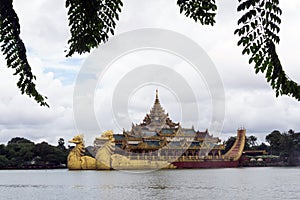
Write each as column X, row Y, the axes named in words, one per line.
column 157, row 143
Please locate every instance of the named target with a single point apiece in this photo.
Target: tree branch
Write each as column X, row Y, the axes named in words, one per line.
column 15, row 53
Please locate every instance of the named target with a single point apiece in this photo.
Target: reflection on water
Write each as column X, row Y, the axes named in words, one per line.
column 239, row 183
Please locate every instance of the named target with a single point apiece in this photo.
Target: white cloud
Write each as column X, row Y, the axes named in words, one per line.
column 249, row 99
column 22, row 116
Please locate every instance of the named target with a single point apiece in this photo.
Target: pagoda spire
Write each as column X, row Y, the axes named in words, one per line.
column 155, row 120
column 156, row 97
column 157, row 110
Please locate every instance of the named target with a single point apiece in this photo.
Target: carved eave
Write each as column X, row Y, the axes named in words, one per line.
column 164, row 135
column 146, row 121
column 178, row 130
column 170, row 123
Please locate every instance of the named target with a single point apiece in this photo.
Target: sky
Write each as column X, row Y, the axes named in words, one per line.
column 249, row 100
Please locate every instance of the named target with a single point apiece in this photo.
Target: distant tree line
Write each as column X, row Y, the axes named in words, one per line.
column 23, row 153
column 20, row 153
column 285, row 145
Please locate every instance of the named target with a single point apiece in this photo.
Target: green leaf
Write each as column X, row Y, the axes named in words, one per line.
column 259, row 40
column 14, row 51
column 90, row 23
column 199, row 10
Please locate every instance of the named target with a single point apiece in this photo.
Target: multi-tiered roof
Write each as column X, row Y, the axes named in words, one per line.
column 153, row 122
column 158, row 131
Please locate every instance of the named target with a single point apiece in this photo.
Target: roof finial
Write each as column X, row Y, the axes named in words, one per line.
column 156, row 97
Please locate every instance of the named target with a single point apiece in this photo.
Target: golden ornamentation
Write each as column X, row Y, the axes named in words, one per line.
column 236, row 150
column 104, row 153
column 106, row 158
column 154, row 144
column 76, row 158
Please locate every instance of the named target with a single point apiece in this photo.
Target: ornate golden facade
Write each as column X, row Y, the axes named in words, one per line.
column 158, row 135
column 156, row 143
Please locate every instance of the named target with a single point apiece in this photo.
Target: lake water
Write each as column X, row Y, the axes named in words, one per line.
column 225, row 184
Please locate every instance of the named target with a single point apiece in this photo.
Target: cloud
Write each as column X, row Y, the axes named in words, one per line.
column 249, row 102
column 22, row 116
column 44, row 26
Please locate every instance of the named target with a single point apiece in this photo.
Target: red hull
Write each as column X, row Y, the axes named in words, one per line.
column 206, row 164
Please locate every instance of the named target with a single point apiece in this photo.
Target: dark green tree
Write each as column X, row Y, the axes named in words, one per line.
column 4, row 162
column 19, row 151
column 252, row 141
column 262, row 146
column 286, row 145
column 274, row 139
column 19, row 140
column 229, row 143
column 61, row 144
column 49, row 154
column 295, row 152
column 3, row 150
